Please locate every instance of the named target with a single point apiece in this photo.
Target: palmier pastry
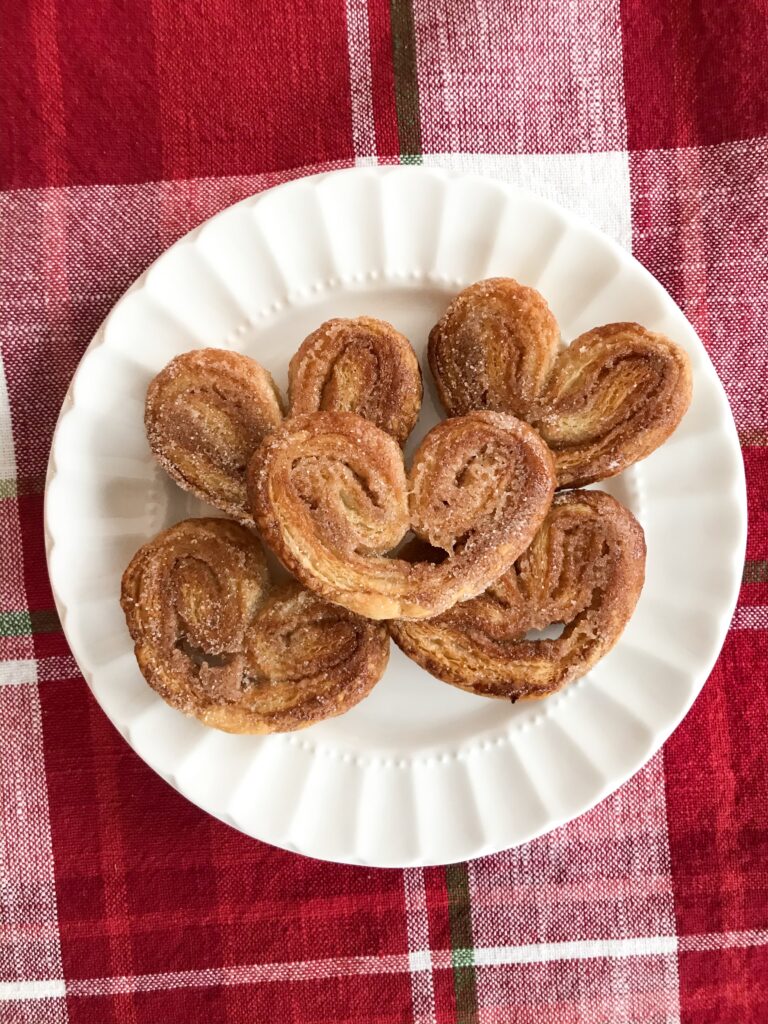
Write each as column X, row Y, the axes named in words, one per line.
column 585, row 568
column 493, row 349
column 217, row 643
column 607, row 400
column 205, row 414
column 330, row 495
column 363, row 366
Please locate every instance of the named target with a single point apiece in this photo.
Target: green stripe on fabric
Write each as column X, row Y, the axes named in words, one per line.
column 755, row 572
column 26, row 623
column 15, row 624
column 462, row 945
column 406, row 80
column 7, row 488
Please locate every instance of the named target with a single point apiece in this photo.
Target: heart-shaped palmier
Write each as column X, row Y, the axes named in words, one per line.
column 585, row 568
column 216, row 641
column 363, row 366
column 205, row 414
column 330, row 495
column 607, row 400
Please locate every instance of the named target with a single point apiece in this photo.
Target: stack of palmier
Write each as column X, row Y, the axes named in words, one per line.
column 458, row 557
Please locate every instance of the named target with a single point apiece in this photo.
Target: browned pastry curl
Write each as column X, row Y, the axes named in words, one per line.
column 493, row 348
column 604, row 402
column 585, row 568
column 205, row 414
column 615, row 394
column 330, row 495
column 215, row 642
column 363, row 366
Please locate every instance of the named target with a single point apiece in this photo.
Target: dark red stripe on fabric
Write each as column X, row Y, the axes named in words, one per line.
column 134, row 92
column 78, row 96
column 22, row 127
column 254, row 87
column 718, row 829
column 728, row 986
column 109, row 87
column 756, row 466
column 383, row 80
column 694, row 71
column 754, row 585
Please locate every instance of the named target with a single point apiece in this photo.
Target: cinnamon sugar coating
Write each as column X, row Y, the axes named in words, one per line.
column 217, row 642
column 363, row 366
column 607, row 400
column 205, row 415
column 331, row 496
column 615, row 394
column 493, row 348
column 585, row 568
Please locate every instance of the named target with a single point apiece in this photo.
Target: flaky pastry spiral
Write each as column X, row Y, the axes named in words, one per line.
column 218, row 643
column 585, row 568
column 205, row 414
column 607, row 400
column 493, row 348
column 330, row 495
column 363, row 366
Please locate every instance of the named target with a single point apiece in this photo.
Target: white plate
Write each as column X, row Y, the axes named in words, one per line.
column 420, row 772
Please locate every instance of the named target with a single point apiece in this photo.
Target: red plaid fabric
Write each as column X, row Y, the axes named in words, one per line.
column 123, row 126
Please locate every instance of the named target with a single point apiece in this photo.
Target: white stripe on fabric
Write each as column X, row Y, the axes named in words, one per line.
column 593, row 185
column 359, row 47
column 18, row 673
column 587, row 949
column 22, row 991
column 416, row 960
column 26, row 670
column 754, row 617
column 419, row 955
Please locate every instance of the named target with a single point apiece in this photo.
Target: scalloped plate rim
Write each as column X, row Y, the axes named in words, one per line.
column 736, row 495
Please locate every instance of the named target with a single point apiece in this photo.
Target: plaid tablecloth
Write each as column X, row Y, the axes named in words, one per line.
column 125, row 123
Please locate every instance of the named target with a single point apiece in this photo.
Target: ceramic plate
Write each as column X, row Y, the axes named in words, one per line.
column 419, row 772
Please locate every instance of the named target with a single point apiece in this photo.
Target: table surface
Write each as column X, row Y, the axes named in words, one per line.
column 121, row 130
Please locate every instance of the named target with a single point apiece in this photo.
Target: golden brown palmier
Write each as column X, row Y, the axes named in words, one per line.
column 330, row 495
column 604, row 402
column 205, row 414
column 493, row 348
column 216, row 642
column 363, row 366
column 615, row 394
column 585, row 568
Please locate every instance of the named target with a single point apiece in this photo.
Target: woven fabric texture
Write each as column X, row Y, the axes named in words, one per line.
column 122, row 126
